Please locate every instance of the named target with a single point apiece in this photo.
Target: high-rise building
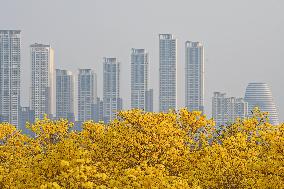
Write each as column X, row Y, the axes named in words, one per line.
column 194, row 76
column 111, row 83
column 10, row 63
column 139, row 79
column 87, row 94
column 65, row 94
column 42, row 90
column 149, row 101
column 227, row 110
column 168, row 63
column 259, row 95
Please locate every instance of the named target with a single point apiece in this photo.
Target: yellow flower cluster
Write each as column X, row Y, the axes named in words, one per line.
column 144, row 150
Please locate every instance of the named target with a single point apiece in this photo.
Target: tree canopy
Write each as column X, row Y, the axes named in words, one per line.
column 144, row 150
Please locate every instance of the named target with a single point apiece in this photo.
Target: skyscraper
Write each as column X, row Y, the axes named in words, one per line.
column 139, row 79
column 10, row 63
column 42, row 91
column 168, row 62
column 194, row 76
column 227, row 110
column 111, row 100
column 259, row 95
column 65, row 95
column 87, row 94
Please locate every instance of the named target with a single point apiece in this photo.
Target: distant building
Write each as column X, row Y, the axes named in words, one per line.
column 149, row 107
column 259, row 95
column 226, row 110
column 111, row 84
column 194, row 76
column 168, row 62
column 65, row 95
column 26, row 116
column 139, row 78
column 10, row 64
column 42, row 90
column 71, row 117
column 4, row 119
column 87, row 94
column 98, row 110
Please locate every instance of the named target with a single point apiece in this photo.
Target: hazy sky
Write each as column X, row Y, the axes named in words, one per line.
column 243, row 39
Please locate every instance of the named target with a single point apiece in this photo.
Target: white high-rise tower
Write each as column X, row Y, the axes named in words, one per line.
column 194, row 76
column 140, row 96
column 42, row 90
column 168, row 63
column 111, row 100
column 10, row 63
column 87, row 94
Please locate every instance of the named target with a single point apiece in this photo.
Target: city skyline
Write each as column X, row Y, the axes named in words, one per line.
column 231, row 63
column 46, row 80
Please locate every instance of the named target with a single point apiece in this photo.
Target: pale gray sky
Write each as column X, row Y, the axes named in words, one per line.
column 243, row 39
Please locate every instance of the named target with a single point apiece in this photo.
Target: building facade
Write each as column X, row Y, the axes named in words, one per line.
column 112, row 102
column 139, row 79
column 259, row 95
column 42, row 89
column 26, row 116
column 194, row 76
column 227, row 110
column 10, row 67
column 149, row 107
column 98, row 110
column 167, row 72
column 87, row 94
column 65, row 95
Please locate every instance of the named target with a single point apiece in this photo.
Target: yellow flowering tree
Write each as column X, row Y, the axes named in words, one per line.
column 144, row 150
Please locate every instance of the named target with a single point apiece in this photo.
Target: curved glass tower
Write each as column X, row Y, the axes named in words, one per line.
column 259, row 95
